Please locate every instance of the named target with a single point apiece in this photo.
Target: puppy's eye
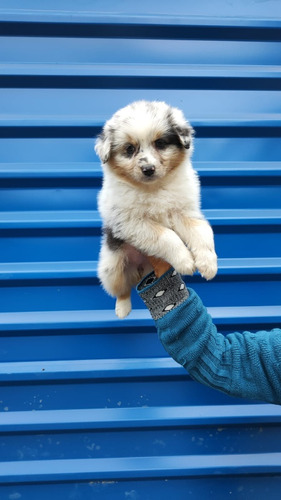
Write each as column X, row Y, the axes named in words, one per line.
column 160, row 144
column 129, row 150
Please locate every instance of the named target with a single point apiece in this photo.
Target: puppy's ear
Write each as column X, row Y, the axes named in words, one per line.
column 185, row 135
column 182, row 127
column 103, row 146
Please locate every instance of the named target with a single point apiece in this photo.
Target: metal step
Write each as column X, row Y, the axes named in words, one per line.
column 92, row 170
column 88, row 269
column 139, row 418
column 42, row 320
column 91, row 218
column 139, row 467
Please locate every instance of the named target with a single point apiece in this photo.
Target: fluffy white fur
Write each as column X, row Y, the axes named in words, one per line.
column 150, row 199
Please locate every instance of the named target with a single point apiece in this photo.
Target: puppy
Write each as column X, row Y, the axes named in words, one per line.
column 150, row 199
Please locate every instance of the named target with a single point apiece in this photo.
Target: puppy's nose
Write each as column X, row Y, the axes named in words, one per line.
column 148, row 170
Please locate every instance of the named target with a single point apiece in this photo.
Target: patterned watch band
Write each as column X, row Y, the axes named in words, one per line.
column 163, row 294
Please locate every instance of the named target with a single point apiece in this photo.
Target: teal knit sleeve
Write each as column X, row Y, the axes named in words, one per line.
column 241, row 364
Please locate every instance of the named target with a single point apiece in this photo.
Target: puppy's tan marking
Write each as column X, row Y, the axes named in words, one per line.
column 176, row 158
column 124, row 172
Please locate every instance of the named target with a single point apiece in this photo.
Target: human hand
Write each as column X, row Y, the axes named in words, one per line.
column 159, row 266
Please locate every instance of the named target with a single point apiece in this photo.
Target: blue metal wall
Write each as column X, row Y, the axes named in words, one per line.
column 91, row 406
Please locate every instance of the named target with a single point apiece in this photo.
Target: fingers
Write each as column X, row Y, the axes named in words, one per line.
column 159, row 266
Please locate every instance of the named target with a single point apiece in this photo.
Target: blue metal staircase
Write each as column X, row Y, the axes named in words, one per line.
column 91, row 406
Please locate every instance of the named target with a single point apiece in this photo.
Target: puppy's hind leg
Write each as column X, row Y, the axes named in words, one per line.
column 123, row 306
column 112, row 274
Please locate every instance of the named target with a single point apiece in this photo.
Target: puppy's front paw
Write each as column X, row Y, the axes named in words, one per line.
column 123, row 307
column 184, row 263
column 206, row 264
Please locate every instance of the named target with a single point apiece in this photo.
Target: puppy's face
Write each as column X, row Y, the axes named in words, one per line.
column 145, row 141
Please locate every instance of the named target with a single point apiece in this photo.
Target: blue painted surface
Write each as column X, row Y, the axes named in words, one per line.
column 91, row 406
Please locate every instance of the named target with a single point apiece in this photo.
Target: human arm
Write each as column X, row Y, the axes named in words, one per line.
column 245, row 364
